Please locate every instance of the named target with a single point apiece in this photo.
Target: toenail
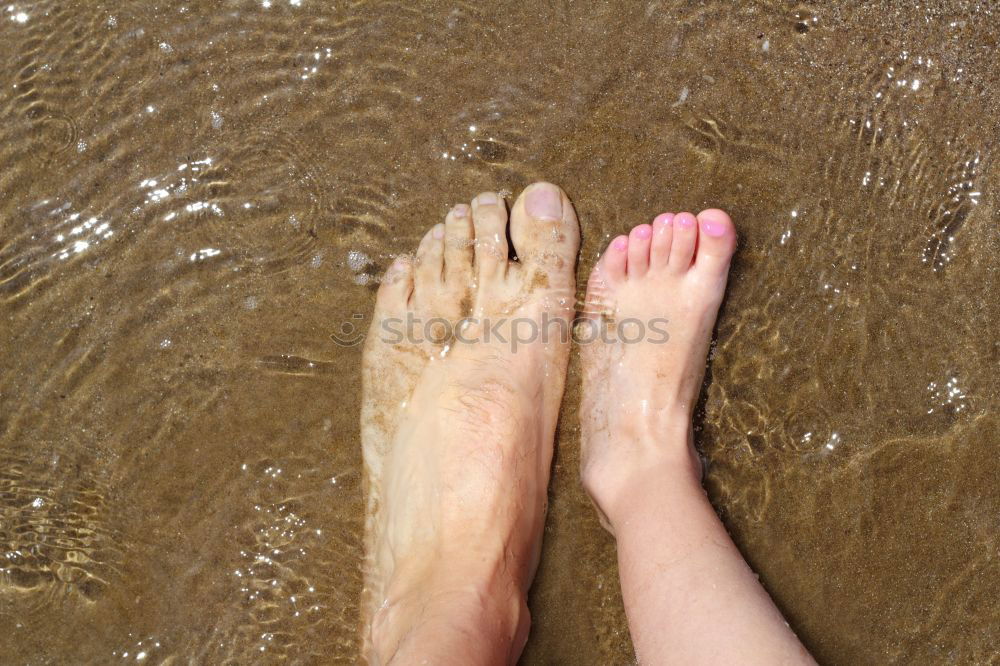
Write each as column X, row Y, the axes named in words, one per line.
column 460, row 210
column 438, row 232
column 685, row 220
column 713, row 228
column 397, row 267
column 487, row 199
column 544, row 202
column 664, row 219
column 620, row 243
column 643, row 231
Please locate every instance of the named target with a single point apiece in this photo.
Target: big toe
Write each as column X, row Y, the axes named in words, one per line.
column 716, row 240
column 546, row 234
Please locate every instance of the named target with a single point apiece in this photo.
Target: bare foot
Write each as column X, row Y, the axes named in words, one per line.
column 640, row 386
column 458, row 426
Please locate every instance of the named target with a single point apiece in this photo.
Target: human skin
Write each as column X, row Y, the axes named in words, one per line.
column 689, row 595
column 457, row 436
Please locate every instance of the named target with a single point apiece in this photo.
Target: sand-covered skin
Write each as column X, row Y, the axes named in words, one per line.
column 457, row 432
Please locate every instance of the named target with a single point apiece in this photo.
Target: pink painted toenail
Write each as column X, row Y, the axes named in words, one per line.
column 620, row 243
column 438, row 232
column 487, row 199
column 664, row 219
column 713, row 228
column 460, row 210
column 543, row 202
column 685, row 220
column 643, row 231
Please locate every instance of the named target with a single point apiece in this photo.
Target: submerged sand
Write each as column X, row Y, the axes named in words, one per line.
column 196, row 198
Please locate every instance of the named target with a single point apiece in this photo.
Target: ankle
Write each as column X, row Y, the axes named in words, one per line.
column 621, row 485
column 451, row 616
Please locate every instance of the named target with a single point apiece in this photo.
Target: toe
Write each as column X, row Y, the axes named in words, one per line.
column 598, row 296
column 429, row 263
column 489, row 217
column 458, row 247
column 396, row 287
column 546, row 234
column 716, row 240
column 614, row 260
column 683, row 243
column 607, row 274
column 639, row 240
column 663, row 233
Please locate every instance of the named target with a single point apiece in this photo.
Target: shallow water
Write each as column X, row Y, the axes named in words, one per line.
column 194, row 197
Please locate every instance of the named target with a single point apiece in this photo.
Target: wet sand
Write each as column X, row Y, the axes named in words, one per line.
column 196, row 199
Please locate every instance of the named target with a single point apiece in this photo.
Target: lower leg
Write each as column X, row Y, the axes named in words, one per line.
column 689, row 595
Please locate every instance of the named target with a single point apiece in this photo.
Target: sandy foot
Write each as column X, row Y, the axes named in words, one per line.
column 458, row 422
